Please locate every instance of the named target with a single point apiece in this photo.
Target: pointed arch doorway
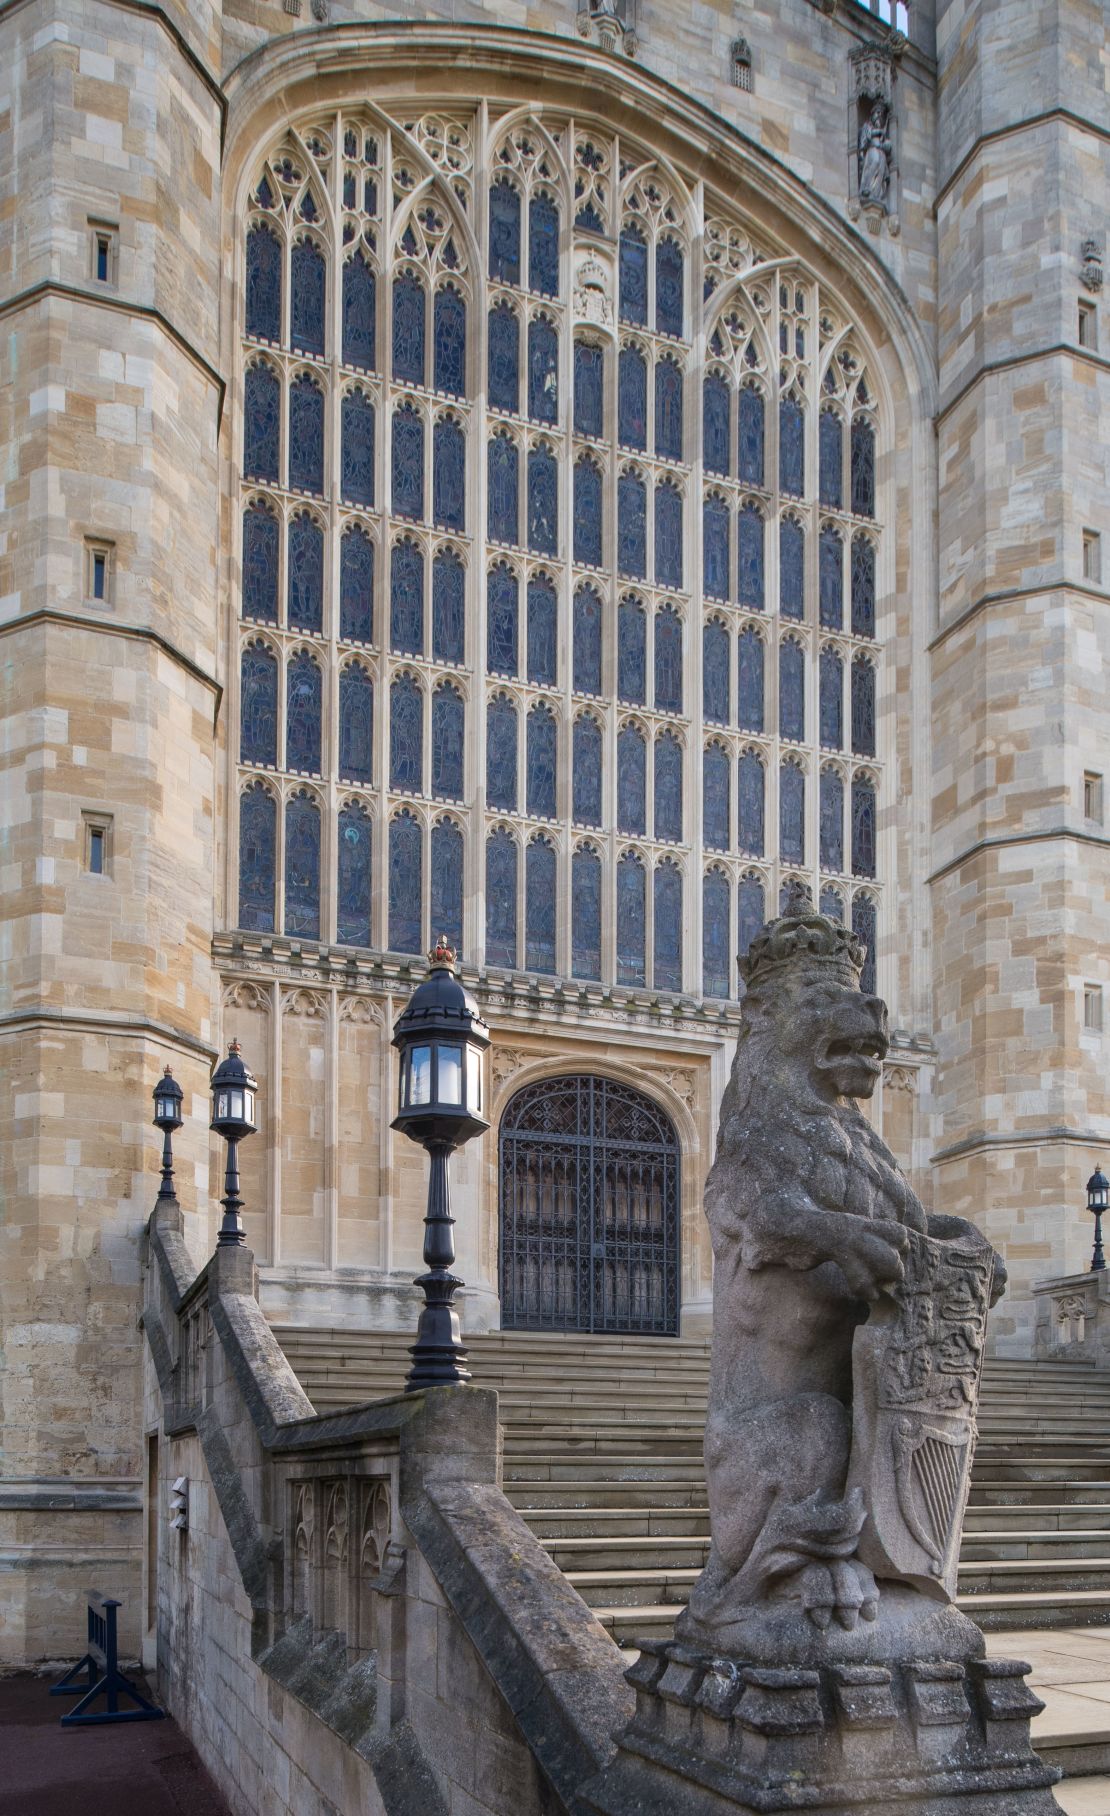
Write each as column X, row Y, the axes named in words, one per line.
column 590, row 1203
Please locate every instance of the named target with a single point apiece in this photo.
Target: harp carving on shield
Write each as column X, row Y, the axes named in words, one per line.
column 916, row 1368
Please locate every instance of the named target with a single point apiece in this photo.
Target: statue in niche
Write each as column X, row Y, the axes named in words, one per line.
column 874, row 152
column 848, row 1331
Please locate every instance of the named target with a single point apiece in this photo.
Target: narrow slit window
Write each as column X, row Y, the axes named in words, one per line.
column 1092, row 796
column 1092, row 556
column 98, row 851
column 1092, row 1008
column 1088, row 325
column 98, row 571
column 103, row 252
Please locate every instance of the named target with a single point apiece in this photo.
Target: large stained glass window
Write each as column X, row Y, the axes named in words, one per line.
column 354, row 845
column 749, row 538
column 830, row 565
column 585, row 925
column 750, row 803
column 541, row 631
column 258, row 705
column 501, row 918
column 448, row 741
column 831, row 903
column 587, row 512
column 791, row 447
column 406, row 735
column 715, row 550
column 716, row 767
column 260, row 564
column 632, row 525
column 863, row 587
column 668, row 534
column 360, row 314
column 543, row 245
column 631, row 652
column 632, row 398
column 503, row 483
column 792, row 690
column 263, row 284
column 631, row 781
column 863, row 826
column 303, row 714
column 863, row 467
column 356, row 586
column 447, row 882
column 408, row 462
column 409, row 329
column 257, row 857
column 540, row 896
column 669, row 266
column 750, row 680
column 501, row 739
column 751, row 435
column 449, row 338
column 716, row 930
column 586, row 637
column 543, row 370
column 792, row 568
column 668, row 661
column 356, row 723
column 307, row 296
column 830, row 456
column 306, row 435
column 831, row 816
column 448, row 607
column 504, row 358
column 633, row 263
column 406, row 883
column 668, row 409
column 792, row 812
column 540, row 760
column 586, row 781
column 306, row 573
column 448, row 474
column 716, row 423
column 504, row 233
column 589, row 389
column 356, row 457
column 865, row 928
column 543, row 501
column 261, row 422
column 751, row 911
column 863, row 707
column 302, row 866
column 668, row 788
column 502, row 611
column 631, row 920
column 830, row 704
column 667, row 919
column 716, row 664
column 406, row 598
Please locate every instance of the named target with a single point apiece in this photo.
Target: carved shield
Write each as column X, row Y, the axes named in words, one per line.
column 915, row 1388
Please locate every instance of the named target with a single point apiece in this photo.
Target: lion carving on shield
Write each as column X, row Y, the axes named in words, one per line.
column 815, row 1233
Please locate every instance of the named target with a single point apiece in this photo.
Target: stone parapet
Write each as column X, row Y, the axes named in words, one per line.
column 1072, row 1319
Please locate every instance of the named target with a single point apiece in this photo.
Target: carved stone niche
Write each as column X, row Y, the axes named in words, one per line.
column 1091, row 268
column 609, row 24
column 872, row 125
column 594, row 285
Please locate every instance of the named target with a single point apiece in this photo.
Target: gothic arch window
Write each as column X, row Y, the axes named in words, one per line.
column 586, row 639
column 750, row 791
column 501, row 755
column 863, row 467
column 448, row 741
column 633, row 263
column 306, row 435
column 356, row 456
column 542, row 647
column 356, row 586
column 831, row 819
column 791, row 447
column 751, row 435
column 356, row 723
column 749, row 537
column 308, row 297
column 360, row 313
column 716, row 664
column 503, row 484
column 502, row 613
column 543, row 244
column 792, row 812
column 750, row 679
column 501, row 911
column 587, row 512
column 258, row 705
column 406, row 598
column 305, row 573
column 257, row 858
column 668, row 534
column 260, row 563
column 669, row 269
column 631, row 781
column 863, row 587
column 448, row 608
column 448, row 474
column 406, row 735
column 354, row 847
column 863, row 707
column 504, row 232
column 303, row 684
column 830, row 701
column 632, row 525
column 668, row 661
column 668, row 788
column 540, row 766
column 863, row 826
column 830, row 578
column 751, row 910
column 261, row 422
column 792, row 568
column 586, row 780
column 543, row 501
column 447, row 882
column 409, row 329
column 540, row 896
column 830, row 459
column 585, row 955
column 504, row 358
column 716, row 930
column 302, row 865
column 589, row 389
column 865, row 928
column 667, row 926
column 716, row 423
column 263, row 285
column 406, row 883
column 449, row 341
column 792, row 686
column 715, row 559
column 716, row 770
column 632, row 398
column 668, row 409
column 631, row 920
column 632, row 652
column 543, row 370
column 408, row 462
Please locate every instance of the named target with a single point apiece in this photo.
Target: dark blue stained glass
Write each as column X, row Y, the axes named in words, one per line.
column 863, row 587
column 668, row 788
column 406, row 735
column 792, row 568
column 830, row 699
column 585, row 914
column 586, row 780
column 668, row 535
column 306, row 435
column 632, row 652
column 541, row 631
column 865, row 928
column 261, row 423
column 830, row 459
column 356, row 724
column 863, row 468
column 543, row 245
column 669, row 267
column 716, row 439
column 631, row 781
column 863, row 707
column 504, row 233
column 501, row 754
column 308, row 278
column 356, row 586
column 751, row 812
column 667, row 929
column 631, row 526
column 356, row 459
column 260, row 564
column 716, row 942
column 354, row 858
column 448, row 475
column 543, row 371
column 831, row 819
column 406, row 599
column 863, row 826
column 360, row 314
column 750, row 680
column 448, row 607
column 832, row 904
column 302, row 867
column 751, row 912
column 501, row 870
column 543, row 502
column 263, row 284
column 305, row 578
column 449, row 341
column 791, row 690
column 447, row 882
column 632, row 398
column 792, row 817
column 749, row 536
column 448, row 741
column 586, row 641
column 668, row 661
column 830, row 579
column 715, row 672
column 258, row 673
column 409, row 329
column 540, row 895
column 408, row 462
column 589, row 389
column 633, row 276
column 503, row 485
column 751, row 435
column 668, row 410
column 589, row 218
column 587, row 513
column 502, row 595
column 540, row 762
column 302, row 714
column 715, row 550
column 715, row 791
column 406, row 883
column 631, row 921
column 504, row 358
column 791, row 446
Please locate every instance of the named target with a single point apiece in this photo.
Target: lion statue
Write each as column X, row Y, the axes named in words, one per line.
column 811, row 1219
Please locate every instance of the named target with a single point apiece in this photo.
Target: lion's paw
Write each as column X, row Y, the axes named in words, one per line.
column 841, row 1590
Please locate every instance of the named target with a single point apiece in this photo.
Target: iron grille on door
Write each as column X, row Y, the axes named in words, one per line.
column 589, row 1210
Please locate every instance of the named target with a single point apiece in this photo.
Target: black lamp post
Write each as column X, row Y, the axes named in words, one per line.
column 441, row 1038
column 233, row 1097
column 167, row 1117
column 1098, row 1196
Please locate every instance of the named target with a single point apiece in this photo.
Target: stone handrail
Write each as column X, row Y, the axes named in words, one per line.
column 1072, row 1319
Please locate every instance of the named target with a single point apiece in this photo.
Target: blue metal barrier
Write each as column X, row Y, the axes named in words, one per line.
column 101, row 1658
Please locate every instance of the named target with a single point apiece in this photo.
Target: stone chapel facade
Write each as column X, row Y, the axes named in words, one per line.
column 549, row 474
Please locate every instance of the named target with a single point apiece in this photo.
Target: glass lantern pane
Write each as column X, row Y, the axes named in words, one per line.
column 474, row 1081
column 449, row 1075
column 420, row 1076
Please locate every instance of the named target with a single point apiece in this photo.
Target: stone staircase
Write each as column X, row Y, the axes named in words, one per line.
column 603, row 1459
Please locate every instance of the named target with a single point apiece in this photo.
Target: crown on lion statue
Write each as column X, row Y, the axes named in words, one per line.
column 801, row 935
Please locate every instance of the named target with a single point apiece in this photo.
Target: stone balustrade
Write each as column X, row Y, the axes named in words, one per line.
column 1072, row 1319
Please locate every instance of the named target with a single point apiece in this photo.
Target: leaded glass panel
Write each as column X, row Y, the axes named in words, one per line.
column 863, row 707
column 632, row 652
column 504, row 358
column 830, row 575
column 749, row 537
column 543, row 245
column 631, row 920
column 668, row 788
column 306, row 573
column 260, row 564
column 356, row 724
column 632, row 526
column 258, row 702
column 863, row 826
column 792, row 691
column 792, row 815
column 448, row 475
column 406, row 883
column 302, row 867
column 715, row 675
column 406, row 735
column 751, row 435
column 716, row 438
column 502, row 594
column 631, row 781
column 668, row 661
column 715, row 550
column 448, row 607
column 633, row 260
column 540, row 762
column 830, row 459
column 449, row 340
column 791, row 446
column 863, row 468
column 832, row 904
column 448, row 741
column 586, row 804
column 865, row 928
column 589, row 389
column 831, row 817
column 863, row 587
column 751, row 912
column 307, row 295
column 501, row 868
column 504, row 233
column 302, row 714
column 447, row 883
column 668, row 410
column 667, row 972
column 750, row 805
column 356, row 586
column 360, row 314
column 632, row 398
column 356, row 458
column 541, row 632
column 715, row 775
column 668, row 535
column 408, row 329
column 353, row 862
column 586, row 650
column 543, row 371
column 830, row 701
column 540, row 895
column 587, row 513
column 716, row 943
column 261, row 423
column 750, row 680
column 408, row 462
column 503, row 482
column 792, row 568
column 501, row 754
column 263, row 320
column 669, row 265
column 585, row 920
column 543, row 502
column 406, row 599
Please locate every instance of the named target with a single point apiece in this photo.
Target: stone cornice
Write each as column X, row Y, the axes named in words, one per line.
column 1084, row 588
column 1003, row 840
column 1012, row 130
column 1085, row 356
column 1050, row 1136
column 97, row 1021
column 141, row 632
